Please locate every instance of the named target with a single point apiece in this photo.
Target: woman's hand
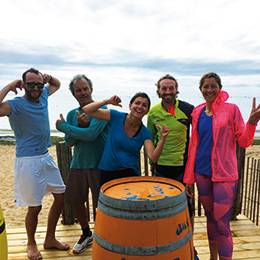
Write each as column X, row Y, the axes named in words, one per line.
column 189, row 190
column 154, row 153
column 255, row 114
column 165, row 130
column 115, row 101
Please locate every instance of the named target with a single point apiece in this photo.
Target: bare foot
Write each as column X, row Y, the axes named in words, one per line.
column 33, row 252
column 54, row 243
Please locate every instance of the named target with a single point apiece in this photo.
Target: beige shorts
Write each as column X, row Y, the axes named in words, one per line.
column 34, row 178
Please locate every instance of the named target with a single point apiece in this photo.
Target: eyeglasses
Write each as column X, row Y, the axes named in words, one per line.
column 33, row 84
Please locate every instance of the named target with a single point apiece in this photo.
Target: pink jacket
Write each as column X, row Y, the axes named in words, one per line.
column 227, row 126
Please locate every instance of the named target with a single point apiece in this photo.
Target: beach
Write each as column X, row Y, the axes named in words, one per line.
column 15, row 216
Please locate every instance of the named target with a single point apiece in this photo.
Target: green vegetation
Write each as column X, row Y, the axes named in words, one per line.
column 256, row 141
column 55, row 139
column 9, row 140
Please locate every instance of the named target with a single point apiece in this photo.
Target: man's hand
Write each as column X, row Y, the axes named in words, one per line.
column 14, row 85
column 82, row 119
column 59, row 120
column 46, row 78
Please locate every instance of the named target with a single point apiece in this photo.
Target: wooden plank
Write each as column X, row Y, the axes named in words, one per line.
column 245, row 238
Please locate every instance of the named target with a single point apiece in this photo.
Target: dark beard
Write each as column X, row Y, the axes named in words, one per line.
column 28, row 93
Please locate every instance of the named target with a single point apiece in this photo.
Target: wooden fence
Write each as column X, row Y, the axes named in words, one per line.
column 247, row 195
column 250, row 197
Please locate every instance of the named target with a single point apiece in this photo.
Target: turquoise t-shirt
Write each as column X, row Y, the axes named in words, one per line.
column 122, row 151
column 88, row 142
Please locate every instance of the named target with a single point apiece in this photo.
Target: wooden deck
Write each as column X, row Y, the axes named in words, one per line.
column 246, row 237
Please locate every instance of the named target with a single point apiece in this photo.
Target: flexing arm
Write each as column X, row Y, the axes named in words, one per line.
column 93, row 109
column 53, row 83
column 5, row 108
column 154, row 153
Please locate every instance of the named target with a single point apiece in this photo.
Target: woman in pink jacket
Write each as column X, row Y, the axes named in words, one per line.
column 212, row 163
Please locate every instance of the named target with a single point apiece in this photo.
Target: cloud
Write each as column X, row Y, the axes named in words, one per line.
column 183, row 37
column 40, row 56
column 102, row 30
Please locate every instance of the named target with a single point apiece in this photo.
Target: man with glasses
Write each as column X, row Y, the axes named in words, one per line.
column 176, row 114
column 36, row 173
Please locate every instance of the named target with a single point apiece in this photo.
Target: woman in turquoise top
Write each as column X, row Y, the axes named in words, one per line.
column 127, row 135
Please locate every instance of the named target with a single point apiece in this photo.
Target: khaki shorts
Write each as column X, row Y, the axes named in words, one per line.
column 34, row 178
column 79, row 183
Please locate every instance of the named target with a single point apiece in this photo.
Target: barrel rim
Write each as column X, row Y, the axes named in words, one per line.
column 141, row 179
column 165, row 203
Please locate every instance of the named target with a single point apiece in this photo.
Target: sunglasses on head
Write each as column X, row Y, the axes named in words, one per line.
column 33, row 84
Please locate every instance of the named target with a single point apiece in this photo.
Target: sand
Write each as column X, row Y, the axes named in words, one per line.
column 14, row 216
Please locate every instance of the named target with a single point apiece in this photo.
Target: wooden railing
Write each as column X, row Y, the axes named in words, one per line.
column 250, row 196
column 64, row 157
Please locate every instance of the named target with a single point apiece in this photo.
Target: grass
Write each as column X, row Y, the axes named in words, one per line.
column 256, row 141
column 6, row 140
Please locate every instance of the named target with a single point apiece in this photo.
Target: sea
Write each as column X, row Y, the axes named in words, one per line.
column 125, row 82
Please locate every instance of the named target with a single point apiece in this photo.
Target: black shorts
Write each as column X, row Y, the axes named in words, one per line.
column 112, row 175
column 78, row 184
column 175, row 173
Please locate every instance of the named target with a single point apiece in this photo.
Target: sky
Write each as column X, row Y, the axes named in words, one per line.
column 125, row 46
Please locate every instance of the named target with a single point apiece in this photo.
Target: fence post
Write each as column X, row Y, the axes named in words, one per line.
column 64, row 157
column 237, row 204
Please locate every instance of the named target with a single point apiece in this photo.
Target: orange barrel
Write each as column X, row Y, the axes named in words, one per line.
column 142, row 218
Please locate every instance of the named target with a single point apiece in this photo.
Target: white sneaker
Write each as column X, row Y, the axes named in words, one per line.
column 82, row 244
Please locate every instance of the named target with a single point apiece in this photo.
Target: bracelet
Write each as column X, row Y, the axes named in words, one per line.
column 105, row 100
column 50, row 78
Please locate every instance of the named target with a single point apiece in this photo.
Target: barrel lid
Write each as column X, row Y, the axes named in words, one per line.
column 142, row 188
